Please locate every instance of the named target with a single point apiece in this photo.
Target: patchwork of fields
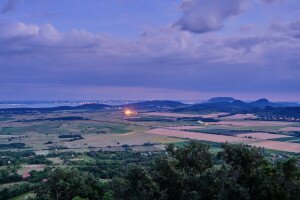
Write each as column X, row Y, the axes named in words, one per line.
column 111, row 130
column 277, row 135
column 107, row 142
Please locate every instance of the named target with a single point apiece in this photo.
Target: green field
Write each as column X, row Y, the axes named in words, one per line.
column 2, row 186
column 24, row 196
column 4, row 118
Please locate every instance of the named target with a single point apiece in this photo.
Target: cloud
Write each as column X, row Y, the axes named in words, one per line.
column 10, row 5
column 165, row 58
column 291, row 29
column 272, row 1
column 200, row 16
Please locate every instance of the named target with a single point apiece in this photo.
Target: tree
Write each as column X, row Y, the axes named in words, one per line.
column 262, row 179
column 68, row 183
column 138, row 185
column 192, row 172
column 176, row 173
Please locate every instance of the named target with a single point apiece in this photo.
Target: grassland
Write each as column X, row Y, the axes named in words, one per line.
column 111, row 130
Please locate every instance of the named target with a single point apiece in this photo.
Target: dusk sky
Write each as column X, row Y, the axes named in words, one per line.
column 149, row 49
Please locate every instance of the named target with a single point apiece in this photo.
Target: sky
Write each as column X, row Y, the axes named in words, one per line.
column 149, row 49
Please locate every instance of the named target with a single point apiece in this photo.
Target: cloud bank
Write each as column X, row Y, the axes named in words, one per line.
column 37, row 60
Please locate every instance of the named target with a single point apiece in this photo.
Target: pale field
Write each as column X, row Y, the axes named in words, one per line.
column 148, row 148
column 276, row 145
column 56, row 160
column 184, row 127
column 35, row 133
column 8, row 136
column 291, row 128
column 253, row 123
column 113, row 117
column 169, row 114
column 238, row 117
column 198, row 136
column 260, row 139
column 227, row 128
column 112, row 128
column 37, row 140
column 104, row 140
column 27, row 168
column 214, row 115
column 262, row 136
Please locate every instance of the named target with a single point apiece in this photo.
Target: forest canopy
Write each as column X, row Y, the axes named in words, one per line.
column 189, row 172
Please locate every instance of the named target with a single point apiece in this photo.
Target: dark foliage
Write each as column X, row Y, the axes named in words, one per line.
column 9, row 175
column 17, row 145
column 191, row 173
column 67, row 183
column 10, row 192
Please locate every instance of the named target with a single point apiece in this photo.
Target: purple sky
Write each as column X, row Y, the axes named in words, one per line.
column 149, row 49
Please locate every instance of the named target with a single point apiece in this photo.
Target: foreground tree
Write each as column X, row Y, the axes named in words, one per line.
column 262, row 179
column 68, row 183
column 192, row 172
column 138, row 184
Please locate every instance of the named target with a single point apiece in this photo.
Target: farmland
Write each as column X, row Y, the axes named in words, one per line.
column 106, row 142
column 59, row 131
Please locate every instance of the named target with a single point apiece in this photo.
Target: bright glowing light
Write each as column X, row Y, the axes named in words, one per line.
column 129, row 112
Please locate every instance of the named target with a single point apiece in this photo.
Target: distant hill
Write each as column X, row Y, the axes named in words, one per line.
column 215, row 107
column 92, row 106
column 263, row 103
column 228, row 104
column 155, row 105
column 261, row 107
column 53, row 109
column 275, row 113
column 146, row 105
column 221, row 100
column 289, row 104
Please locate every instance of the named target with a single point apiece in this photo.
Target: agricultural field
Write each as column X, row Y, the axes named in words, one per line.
column 82, row 131
column 239, row 128
column 106, row 142
column 63, row 131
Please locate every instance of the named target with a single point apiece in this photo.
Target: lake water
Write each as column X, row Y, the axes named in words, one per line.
column 49, row 104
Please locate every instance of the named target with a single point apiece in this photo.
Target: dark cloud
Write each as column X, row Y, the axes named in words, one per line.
column 10, row 5
column 291, row 29
column 272, row 1
column 39, row 61
column 200, row 16
column 168, row 58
